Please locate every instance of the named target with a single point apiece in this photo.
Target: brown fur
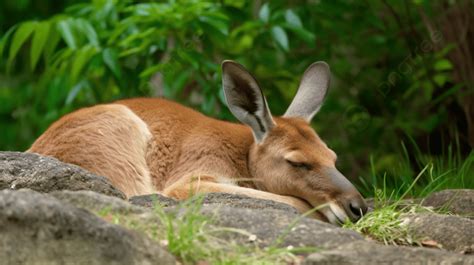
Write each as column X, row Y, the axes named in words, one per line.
column 108, row 140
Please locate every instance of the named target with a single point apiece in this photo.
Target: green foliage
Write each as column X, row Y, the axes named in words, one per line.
column 386, row 222
column 387, row 225
column 387, row 85
column 448, row 171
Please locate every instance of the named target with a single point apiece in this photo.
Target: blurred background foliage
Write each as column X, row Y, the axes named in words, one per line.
column 401, row 99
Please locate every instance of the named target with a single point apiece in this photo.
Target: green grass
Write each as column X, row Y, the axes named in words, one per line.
column 386, row 223
column 448, row 171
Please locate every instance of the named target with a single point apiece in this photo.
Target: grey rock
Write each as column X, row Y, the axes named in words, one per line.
column 402, row 204
column 96, row 202
column 271, row 223
column 229, row 211
column 279, row 228
column 39, row 229
column 242, row 201
column 46, row 174
column 234, row 200
column 452, row 232
column 151, row 200
column 369, row 253
column 460, row 202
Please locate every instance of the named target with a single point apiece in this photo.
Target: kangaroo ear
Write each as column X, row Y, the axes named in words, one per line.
column 245, row 99
column 311, row 92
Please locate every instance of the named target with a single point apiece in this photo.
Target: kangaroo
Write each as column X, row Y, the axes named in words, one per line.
column 150, row 145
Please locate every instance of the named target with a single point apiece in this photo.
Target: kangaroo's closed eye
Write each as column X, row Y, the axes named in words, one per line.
column 301, row 165
column 297, row 159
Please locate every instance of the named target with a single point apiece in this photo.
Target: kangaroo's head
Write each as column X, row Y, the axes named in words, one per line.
column 288, row 157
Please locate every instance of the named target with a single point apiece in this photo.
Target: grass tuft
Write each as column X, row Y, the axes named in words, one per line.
column 386, row 223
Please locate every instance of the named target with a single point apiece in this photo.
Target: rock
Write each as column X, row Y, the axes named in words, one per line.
column 39, row 229
column 46, row 174
column 96, row 202
column 269, row 226
column 150, row 200
column 248, row 215
column 242, row 201
column 460, row 202
column 267, row 220
column 237, row 201
column 369, row 253
column 373, row 204
column 451, row 232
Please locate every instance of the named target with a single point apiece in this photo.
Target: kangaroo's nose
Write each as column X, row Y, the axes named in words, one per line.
column 355, row 207
column 353, row 203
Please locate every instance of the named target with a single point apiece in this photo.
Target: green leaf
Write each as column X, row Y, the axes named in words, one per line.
column 153, row 70
column 444, row 52
column 180, row 81
column 4, row 39
column 245, row 42
column 188, row 56
column 61, row 57
column 264, row 13
column 142, row 48
column 67, row 32
column 21, row 35
column 280, row 37
column 88, row 30
column 39, row 40
column 218, row 23
column 53, row 41
column 452, row 91
column 75, row 91
column 141, row 37
column 82, row 56
column 293, row 19
column 110, row 57
column 442, row 65
column 428, row 89
column 305, row 35
column 440, row 79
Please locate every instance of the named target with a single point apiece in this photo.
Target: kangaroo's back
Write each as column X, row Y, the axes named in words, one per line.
column 109, row 140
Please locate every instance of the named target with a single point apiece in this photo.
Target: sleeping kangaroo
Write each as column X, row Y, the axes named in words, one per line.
column 150, row 145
